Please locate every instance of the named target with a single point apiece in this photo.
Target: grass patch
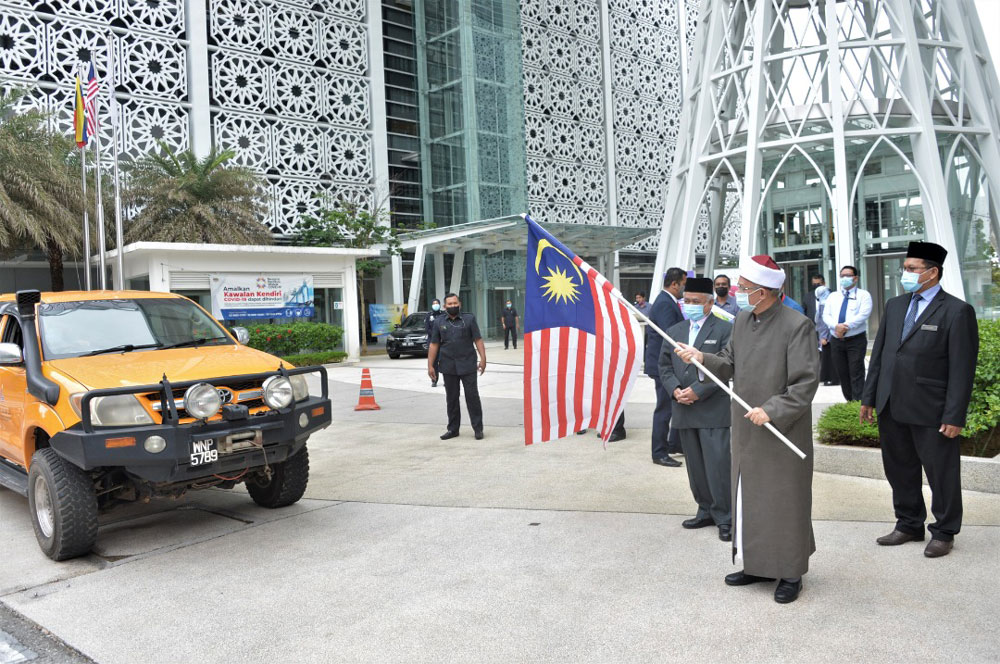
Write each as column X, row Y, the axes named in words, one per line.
column 840, row 425
column 311, row 359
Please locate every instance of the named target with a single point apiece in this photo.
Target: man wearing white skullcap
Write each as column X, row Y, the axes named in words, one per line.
column 773, row 361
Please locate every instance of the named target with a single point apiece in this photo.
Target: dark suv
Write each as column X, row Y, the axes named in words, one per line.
column 409, row 338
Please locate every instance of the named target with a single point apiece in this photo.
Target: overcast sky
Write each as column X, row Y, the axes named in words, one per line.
column 989, row 14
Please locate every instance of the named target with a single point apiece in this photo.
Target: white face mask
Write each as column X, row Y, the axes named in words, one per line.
column 821, row 292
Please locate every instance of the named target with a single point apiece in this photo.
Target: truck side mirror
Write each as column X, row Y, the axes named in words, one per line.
column 10, row 354
column 242, row 335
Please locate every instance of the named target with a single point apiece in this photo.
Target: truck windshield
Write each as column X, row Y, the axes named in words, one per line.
column 74, row 329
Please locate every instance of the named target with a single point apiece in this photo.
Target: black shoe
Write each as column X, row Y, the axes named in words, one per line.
column 787, row 592
column 743, row 579
column 693, row 523
column 449, row 434
column 726, row 533
column 667, row 461
column 581, row 432
column 479, row 435
column 615, row 437
column 434, row 383
column 505, row 348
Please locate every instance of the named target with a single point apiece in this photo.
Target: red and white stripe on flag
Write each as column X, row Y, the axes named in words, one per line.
column 575, row 380
column 90, row 102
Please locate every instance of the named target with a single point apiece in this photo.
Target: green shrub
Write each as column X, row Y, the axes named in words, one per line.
column 982, row 425
column 312, row 359
column 295, row 338
column 840, row 425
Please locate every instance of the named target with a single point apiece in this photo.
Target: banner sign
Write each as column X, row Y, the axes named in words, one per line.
column 385, row 317
column 240, row 296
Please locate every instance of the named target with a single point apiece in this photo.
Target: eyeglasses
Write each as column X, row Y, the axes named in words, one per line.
column 915, row 270
column 747, row 289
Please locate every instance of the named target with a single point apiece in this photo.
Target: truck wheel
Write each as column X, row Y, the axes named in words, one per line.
column 393, row 356
column 288, row 482
column 63, row 506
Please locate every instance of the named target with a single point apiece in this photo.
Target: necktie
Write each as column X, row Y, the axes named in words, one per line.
column 843, row 308
column 911, row 315
column 693, row 334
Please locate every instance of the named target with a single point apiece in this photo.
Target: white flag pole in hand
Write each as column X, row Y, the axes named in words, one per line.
column 715, row 379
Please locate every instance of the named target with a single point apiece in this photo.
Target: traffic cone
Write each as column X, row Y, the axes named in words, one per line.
column 367, row 399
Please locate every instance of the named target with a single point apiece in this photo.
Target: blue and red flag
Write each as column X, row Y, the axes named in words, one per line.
column 582, row 346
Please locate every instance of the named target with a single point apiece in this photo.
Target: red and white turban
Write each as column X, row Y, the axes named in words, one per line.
column 762, row 270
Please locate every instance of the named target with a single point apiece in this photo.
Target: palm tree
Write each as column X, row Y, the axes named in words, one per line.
column 182, row 198
column 41, row 204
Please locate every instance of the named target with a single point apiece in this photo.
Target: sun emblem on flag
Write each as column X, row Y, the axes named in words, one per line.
column 560, row 287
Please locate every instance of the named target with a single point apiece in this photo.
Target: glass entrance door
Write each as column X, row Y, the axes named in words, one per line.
column 883, row 284
column 797, row 276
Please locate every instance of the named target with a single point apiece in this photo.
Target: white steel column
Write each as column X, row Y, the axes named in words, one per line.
column 397, row 279
column 196, row 26
column 376, row 78
column 843, row 226
column 456, row 272
column 417, row 275
column 439, row 274
column 352, row 319
column 926, row 157
column 610, row 149
column 762, row 19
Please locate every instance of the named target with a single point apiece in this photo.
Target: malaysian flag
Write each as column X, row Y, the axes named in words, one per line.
column 582, row 347
column 91, row 102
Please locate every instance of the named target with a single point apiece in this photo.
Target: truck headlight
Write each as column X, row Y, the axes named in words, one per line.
column 278, row 392
column 202, row 401
column 119, row 410
column 300, row 388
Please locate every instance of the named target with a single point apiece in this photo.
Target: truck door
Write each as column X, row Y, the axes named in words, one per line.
column 13, row 388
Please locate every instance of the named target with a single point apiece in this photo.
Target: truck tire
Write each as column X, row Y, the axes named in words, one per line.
column 63, row 506
column 393, row 356
column 288, row 482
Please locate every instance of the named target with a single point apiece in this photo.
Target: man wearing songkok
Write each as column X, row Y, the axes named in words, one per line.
column 774, row 363
column 920, row 382
column 701, row 410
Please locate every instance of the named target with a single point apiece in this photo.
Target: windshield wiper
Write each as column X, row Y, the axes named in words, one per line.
column 192, row 342
column 124, row 348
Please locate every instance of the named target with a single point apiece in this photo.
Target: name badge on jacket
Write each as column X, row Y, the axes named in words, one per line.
column 711, row 341
column 929, row 328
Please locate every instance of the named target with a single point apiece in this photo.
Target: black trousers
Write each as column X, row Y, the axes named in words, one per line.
column 508, row 334
column 469, row 383
column 906, row 449
column 665, row 440
column 849, row 362
column 827, row 374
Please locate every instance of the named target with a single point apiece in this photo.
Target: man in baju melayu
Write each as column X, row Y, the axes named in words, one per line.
column 773, row 361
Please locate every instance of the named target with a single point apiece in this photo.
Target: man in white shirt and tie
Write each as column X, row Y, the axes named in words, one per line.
column 846, row 314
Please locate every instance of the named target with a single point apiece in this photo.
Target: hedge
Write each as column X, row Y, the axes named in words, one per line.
column 838, row 425
column 312, row 359
column 295, row 338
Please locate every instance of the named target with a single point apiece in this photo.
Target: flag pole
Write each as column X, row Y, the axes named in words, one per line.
column 86, row 221
column 119, row 280
column 701, row 367
column 102, row 260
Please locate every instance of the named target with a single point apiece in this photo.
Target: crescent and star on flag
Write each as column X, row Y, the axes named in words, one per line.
column 559, row 286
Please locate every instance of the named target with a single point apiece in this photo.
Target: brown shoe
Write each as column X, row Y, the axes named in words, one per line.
column 897, row 537
column 937, row 548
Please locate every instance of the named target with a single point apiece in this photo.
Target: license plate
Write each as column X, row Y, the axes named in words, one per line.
column 203, row 451
column 407, row 343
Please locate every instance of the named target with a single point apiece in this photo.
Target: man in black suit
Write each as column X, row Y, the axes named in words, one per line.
column 701, row 414
column 920, row 382
column 809, row 302
column 665, row 313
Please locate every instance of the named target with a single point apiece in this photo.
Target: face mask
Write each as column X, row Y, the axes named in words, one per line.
column 453, row 311
column 508, row 305
column 910, row 281
column 436, row 307
column 846, row 282
column 722, row 291
column 822, row 291
column 694, row 311
column 743, row 300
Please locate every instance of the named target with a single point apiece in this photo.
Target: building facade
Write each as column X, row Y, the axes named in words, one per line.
column 834, row 133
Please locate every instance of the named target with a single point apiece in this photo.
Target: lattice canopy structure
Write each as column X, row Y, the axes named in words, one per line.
column 833, row 133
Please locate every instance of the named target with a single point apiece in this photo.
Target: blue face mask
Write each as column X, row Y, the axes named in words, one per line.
column 694, row 311
column 910, row 281
column 743, row 300
column 846, row 282
column 436, row 307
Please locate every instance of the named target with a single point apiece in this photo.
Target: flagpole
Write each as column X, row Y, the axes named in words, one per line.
column 119, row 281
column 102, row 260
column 702, row 369
column 86, row 221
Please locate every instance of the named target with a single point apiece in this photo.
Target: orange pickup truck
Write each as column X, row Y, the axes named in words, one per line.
column 116, row 396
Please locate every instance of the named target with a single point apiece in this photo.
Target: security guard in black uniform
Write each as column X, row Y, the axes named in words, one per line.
column 457, row 338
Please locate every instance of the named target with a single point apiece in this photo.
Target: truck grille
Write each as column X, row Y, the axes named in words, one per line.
column 248, row 393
